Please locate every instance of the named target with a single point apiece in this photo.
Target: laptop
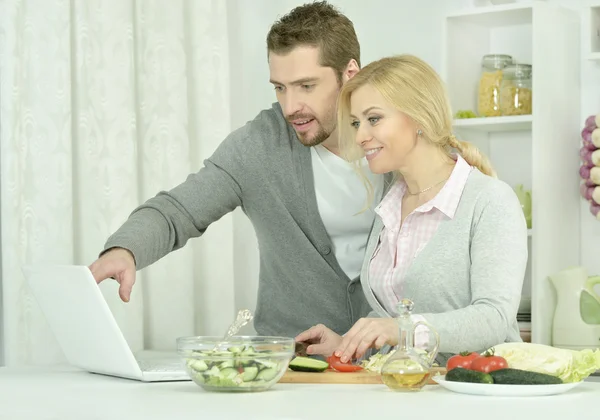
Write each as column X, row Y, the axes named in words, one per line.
column 85, row 328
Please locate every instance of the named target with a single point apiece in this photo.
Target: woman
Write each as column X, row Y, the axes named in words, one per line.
column 448, row 234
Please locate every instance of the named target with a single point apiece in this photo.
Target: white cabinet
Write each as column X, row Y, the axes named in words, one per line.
column 541, row 150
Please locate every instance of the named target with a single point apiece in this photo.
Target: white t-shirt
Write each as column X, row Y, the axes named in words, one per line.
column 341, row 196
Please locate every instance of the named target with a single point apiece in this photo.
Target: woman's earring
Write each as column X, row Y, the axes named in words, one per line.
column 419, row 132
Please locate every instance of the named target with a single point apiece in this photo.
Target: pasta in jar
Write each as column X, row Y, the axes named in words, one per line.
column 516, row 96
column 488, row 101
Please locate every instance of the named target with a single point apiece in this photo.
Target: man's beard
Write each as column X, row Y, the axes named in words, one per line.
column 321, row 135
column 318, row 138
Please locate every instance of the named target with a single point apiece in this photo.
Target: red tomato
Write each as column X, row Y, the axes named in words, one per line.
column 487, row 362
column 336, row 364
column 462, row 360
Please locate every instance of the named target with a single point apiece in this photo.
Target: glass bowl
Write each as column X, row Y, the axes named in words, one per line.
column 239, row 364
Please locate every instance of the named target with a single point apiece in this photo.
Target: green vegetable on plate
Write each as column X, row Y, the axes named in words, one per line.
column 460, row 374
column 568, row 365
column 510, row 376
column 506, row 376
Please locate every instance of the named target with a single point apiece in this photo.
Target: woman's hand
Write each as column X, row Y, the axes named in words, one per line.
column 321, row 340
column 367, row 333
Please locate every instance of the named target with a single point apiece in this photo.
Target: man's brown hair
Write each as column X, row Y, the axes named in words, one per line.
column 321, row 25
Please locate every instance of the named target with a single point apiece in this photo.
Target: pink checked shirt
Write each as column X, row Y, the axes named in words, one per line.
column 404, row 243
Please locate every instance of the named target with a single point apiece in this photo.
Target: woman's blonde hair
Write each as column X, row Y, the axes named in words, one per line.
column 415, row 89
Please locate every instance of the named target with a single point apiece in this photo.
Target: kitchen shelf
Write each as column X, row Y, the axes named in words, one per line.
column 593, row 30
column 495, row 124
column 540, row 156
column 495, row 16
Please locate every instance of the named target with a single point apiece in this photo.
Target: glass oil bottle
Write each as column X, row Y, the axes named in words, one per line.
column 409, row 369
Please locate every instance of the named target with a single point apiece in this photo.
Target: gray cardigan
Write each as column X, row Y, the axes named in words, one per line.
column 264, row 169
column 467, row 281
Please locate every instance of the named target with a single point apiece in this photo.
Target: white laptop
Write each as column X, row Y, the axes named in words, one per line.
column 85, row 328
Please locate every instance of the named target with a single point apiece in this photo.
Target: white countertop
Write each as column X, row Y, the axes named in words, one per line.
column 65, row 394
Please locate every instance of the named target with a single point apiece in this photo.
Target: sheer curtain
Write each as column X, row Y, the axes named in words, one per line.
column 102, row 104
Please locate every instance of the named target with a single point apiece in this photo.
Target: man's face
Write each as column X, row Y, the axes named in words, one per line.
column 307, row 93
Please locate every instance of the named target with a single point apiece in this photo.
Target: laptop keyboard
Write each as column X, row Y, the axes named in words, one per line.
column 157, row 366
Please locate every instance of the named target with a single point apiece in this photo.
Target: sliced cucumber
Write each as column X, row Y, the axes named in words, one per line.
column 200, row 378
column 252, row 384
column 198, row 365
column 229, row 373
column 267, row 364
column 267, row 374
column 213, row 371
column 238, row 366
column 249, row 374
column 213, row 381
column 308, row 364
column 226, row 364
column 249, row 351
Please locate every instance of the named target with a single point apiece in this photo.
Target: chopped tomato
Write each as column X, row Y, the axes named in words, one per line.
column 487, row 362
column 462, row 360
column 336, row 364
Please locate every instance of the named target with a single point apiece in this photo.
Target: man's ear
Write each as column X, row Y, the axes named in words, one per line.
column 350, row 71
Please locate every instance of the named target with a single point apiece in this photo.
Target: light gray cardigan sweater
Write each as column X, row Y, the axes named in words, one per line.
column 264, row 169
column 467, row 281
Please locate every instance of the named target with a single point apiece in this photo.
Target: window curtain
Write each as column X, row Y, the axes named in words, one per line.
column 102, row 104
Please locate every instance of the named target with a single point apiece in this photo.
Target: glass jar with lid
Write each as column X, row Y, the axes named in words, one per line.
column 492, row 66
column 516, row 95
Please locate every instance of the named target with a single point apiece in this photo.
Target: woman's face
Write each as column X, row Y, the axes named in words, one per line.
column 385, row 134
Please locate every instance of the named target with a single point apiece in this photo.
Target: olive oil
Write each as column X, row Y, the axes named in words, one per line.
column 408, row 369
column 412, row 381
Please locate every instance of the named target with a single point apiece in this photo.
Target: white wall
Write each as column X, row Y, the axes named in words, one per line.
column 384, row 28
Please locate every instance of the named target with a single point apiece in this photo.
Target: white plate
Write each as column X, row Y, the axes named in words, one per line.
column 498, row 390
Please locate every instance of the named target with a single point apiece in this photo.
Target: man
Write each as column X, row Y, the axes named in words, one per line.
column 304, row 201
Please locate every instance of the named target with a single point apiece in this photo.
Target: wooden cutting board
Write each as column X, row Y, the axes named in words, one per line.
column 333, row 377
